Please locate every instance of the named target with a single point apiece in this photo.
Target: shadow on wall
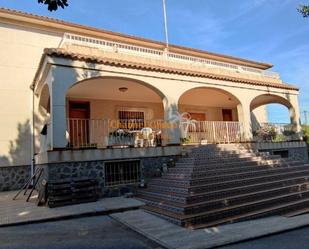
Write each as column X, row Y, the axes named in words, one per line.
column 255, row 124
column 19, row 150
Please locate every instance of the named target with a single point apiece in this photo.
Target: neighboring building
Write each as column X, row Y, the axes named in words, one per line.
column 82, row 91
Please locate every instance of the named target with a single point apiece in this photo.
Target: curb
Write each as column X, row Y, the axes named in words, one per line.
column 160, row 242
column 71, row 216
column 299, row 222
column 250, row 238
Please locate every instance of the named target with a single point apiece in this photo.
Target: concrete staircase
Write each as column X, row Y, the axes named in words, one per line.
column 218, row 184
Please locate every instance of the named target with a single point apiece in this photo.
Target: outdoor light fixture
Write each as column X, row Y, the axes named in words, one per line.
column 123, row 89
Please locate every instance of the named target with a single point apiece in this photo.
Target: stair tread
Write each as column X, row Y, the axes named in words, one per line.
column 202, row 161
column 217, row 184
column 228, row 189
column 222, row 199
column 238, row 174
column 243, row 179
column 241, row 163
column 228, row 208
column 297, row 212
column 249, row 214
column 242, row 167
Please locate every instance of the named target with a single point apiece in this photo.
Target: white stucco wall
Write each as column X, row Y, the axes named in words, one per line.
column 20, row 53
column 211, row 113
column 171, row 86
column 107, row 109
column 21, row 50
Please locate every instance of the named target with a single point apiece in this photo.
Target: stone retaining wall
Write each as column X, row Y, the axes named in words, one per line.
column 13, row 177
column 66, row 171
column 296, row 150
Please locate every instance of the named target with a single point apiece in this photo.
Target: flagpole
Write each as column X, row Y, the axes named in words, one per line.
column 165, row 24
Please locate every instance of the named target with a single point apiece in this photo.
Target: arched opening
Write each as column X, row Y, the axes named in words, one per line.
column 112, row 111
column 213, row 113
column 44, row 102
column 42, row 120
column 272, row 118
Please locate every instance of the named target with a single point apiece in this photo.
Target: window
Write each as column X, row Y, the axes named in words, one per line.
column 122, row 172
column 131, row 120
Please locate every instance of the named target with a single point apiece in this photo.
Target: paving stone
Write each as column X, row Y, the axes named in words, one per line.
column 20, row 211
column 173, row 236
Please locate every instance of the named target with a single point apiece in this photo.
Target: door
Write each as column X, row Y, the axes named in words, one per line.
column 227, row 115
column 198, row 116
column 79, row 114
column 196, row 131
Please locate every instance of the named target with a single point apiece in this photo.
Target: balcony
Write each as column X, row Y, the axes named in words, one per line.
column 129, row 49
column 117, row 133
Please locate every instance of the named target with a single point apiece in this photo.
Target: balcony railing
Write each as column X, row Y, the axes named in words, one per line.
column 160, row 54
column 214, row 132
column 102, row 133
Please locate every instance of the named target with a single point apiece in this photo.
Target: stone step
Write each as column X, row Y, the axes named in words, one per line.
column 229, row 183
column 237, row 212
column 217, row 184
column 280, row 209
column 209, row 171
column 297, row 212
column 215, row 172
column 198, row 162
column 217, row 148
column 242, row 209
column 201, row 168
column 224, row 177
column 222, row 156
column 186, row 198
column 220, row 152
column 208, row 205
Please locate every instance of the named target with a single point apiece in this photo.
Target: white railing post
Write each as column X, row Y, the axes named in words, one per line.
column 214, row 130
column 227, row 132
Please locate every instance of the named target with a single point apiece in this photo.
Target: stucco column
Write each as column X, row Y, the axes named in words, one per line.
column 295, row 115
column 171, row 132
column 60, row 81
column 244, row 117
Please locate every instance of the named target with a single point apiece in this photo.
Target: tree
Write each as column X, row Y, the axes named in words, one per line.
column 304, row 10
column 54, row 4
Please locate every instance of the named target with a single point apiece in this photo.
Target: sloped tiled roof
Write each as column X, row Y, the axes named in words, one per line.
column 64, row 53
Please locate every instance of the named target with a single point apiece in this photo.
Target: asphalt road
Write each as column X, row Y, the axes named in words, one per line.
column 296, row 239
column 99, row 232
column 102, row 232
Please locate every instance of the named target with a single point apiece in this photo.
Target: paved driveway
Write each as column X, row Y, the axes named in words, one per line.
column 20, row 211
column 99, row 232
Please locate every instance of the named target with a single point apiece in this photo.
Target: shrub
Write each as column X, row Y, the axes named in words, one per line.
column 185, row 140
column 306, row 133
column 266, row 133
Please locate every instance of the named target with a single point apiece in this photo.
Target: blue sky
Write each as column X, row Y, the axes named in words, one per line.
column 262, row 30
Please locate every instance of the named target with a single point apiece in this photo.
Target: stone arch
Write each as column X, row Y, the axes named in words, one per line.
column 265, row 99
column 211, row 97
column 42, row 119
column 44, row 100
column 116, row 99
column 132, row 79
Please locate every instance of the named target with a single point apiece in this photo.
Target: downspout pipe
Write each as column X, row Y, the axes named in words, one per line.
column 32, row 135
